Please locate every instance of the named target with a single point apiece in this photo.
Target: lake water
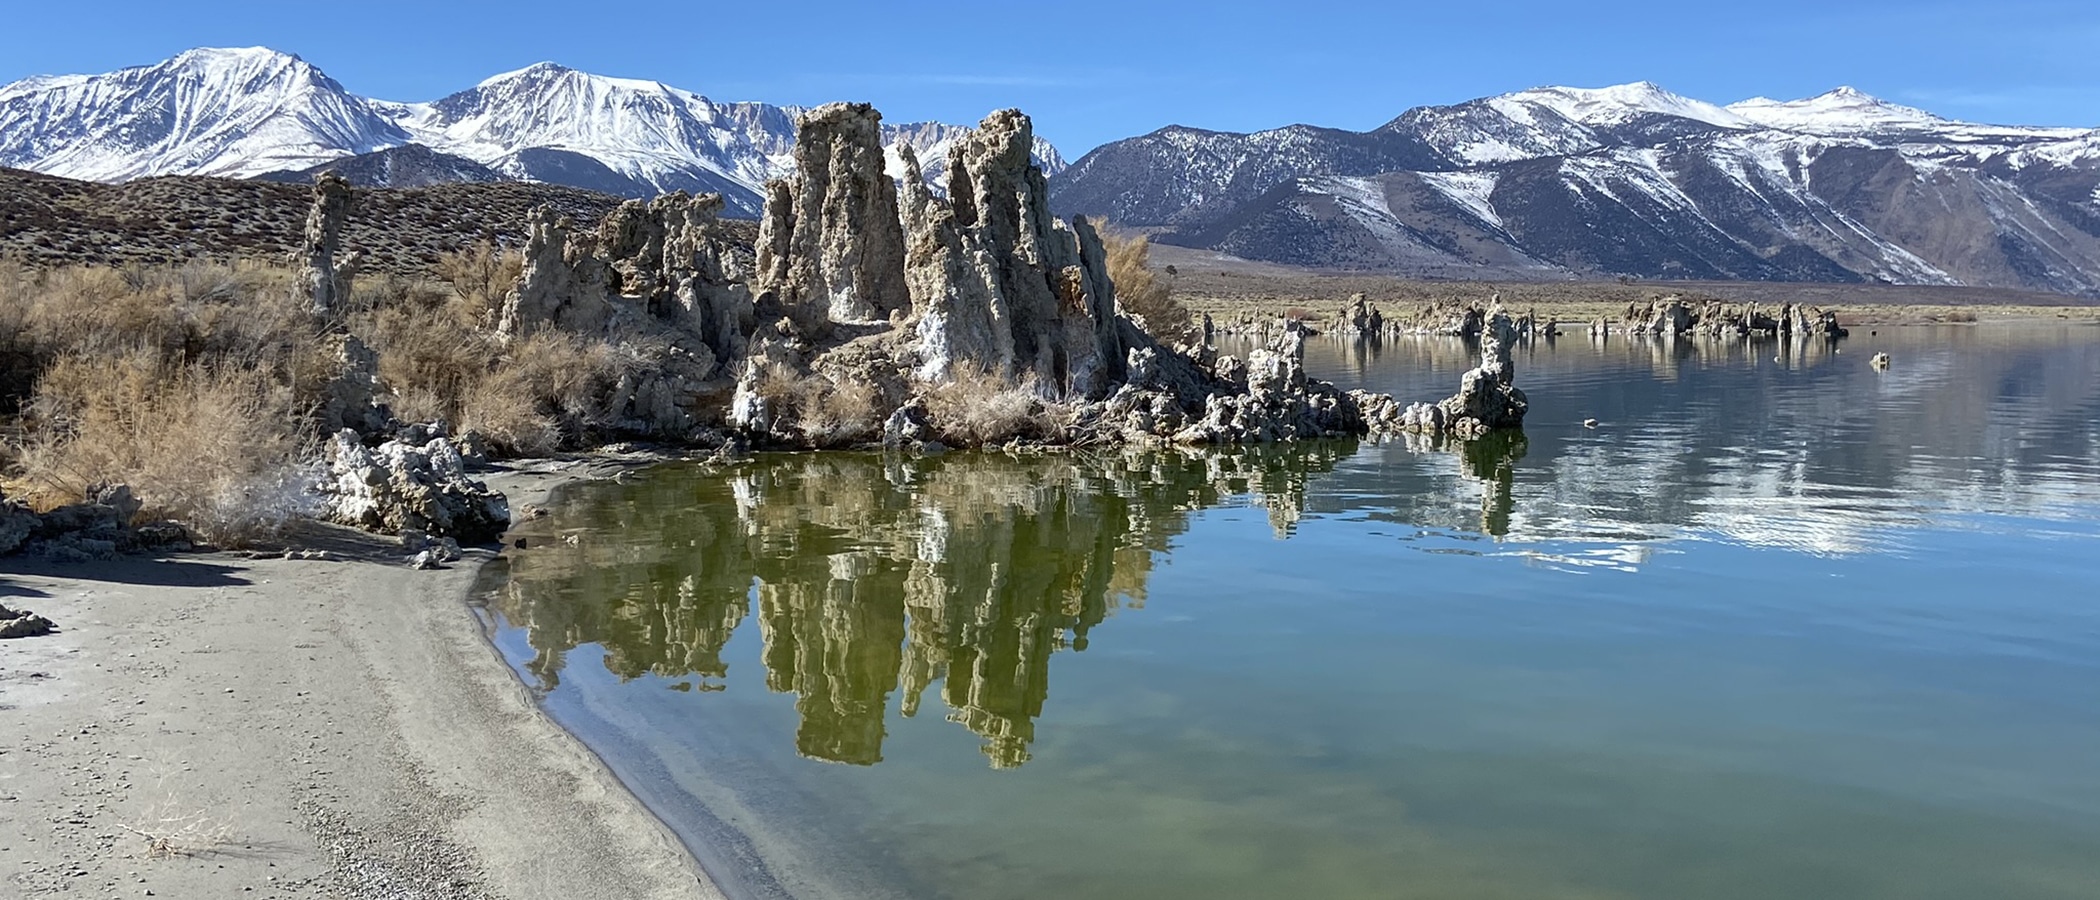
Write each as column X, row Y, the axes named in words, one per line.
column 1781, row 626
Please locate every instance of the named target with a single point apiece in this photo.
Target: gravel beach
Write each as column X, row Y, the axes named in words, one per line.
column 210, row 725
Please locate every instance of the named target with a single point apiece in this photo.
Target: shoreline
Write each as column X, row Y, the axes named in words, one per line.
column 302, row 728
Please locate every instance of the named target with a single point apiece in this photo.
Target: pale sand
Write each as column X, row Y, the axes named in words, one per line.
column 298, row 729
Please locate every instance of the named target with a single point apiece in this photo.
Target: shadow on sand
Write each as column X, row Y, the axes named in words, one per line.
column 10, row 589
column 140, row 570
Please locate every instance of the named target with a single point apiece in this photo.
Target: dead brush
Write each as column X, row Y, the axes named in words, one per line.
column 1140, row 291
column 173, row 830
column 825, row 413
column 207, row 445
column 481, row 274
column 981, row 407
column 169, row 835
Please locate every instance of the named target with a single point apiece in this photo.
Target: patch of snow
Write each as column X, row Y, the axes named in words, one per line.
column 1470, row 190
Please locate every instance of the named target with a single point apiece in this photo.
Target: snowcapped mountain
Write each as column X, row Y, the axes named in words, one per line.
column 1631, row 180
column 256, row 112
column 234, row 113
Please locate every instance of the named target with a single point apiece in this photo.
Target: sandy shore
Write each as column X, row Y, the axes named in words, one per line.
column 214, row 726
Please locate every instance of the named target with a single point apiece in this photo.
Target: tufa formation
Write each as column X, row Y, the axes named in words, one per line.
column 869, row 310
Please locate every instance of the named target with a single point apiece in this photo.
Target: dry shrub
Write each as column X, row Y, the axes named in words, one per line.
column 193, row 384
column 825, row 413
column 217, row 447
column 431, row 354
column 480, row 274
column 194, row 312
column 1140, row 291
column 545, row 391
column 982, row 407
column 530, row 397
column 198, row 384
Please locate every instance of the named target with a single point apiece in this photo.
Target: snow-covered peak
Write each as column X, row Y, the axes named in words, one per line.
column 541, row 69
column 1845, row 111
column 234, row 56
column 1618, row 104
column 210, row 111
column 1557, row 121
column 1850, row 112
column 548, row 73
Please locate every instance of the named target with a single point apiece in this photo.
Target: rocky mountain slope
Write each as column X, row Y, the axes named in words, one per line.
column 255, row 112
column 1627, row 180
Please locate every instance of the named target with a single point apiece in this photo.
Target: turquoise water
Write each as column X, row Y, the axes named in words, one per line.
column 1780, row 626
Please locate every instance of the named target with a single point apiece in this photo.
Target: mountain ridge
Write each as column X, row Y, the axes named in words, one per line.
column 257, row 112
column 1628, row 180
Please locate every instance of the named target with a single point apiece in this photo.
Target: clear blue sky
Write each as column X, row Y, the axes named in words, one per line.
column 1091, row 72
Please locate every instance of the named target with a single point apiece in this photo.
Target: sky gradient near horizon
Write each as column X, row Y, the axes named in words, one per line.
column 1090, row 72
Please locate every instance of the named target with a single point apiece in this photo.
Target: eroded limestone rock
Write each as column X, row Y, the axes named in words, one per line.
column 348, row 399
column 831, row 247
column 100, row 527
column 398, row 486
column 1487, row 399
column 564, row 284
column 1053, row 289
column 21, row 623
column 17, row 523
column 1672, row 317
column 864, row 300
column 960, row 318
column 324, row 272
column 1358, row 317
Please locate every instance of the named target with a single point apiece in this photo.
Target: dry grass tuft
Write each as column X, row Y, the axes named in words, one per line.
column 1140, row 291
column 480, row 274
column 980, row 408
column 173, row 830
column 827, row 414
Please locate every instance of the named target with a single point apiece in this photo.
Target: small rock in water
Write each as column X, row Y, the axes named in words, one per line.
column 1879, row 361
column 1589, row 423
column 427, row 559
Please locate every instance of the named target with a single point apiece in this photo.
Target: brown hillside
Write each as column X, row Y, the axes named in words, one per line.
column 45, row 220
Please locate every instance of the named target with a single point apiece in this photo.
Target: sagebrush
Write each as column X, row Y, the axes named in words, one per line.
column 198, row 385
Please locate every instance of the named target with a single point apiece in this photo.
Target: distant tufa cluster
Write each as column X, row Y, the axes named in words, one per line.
column 1672, row 317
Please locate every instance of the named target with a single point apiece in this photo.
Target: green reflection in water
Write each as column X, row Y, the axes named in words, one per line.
column 1773, row 630
column 875, row 574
